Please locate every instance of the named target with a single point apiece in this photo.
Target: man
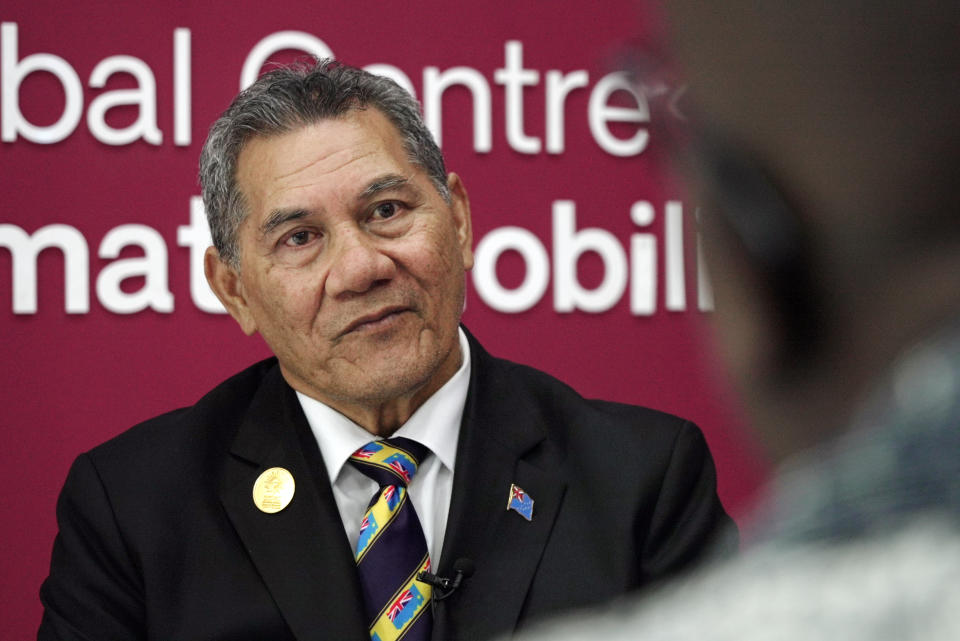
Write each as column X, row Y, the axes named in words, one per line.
column 342, row 241
column 826, row 142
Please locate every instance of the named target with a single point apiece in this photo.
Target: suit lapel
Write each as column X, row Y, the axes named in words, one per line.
column 300, row 552
column 502, row 442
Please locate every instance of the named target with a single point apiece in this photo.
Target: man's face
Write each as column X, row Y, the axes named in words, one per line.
column 351, row 264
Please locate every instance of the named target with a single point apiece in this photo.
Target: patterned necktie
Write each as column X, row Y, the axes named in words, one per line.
column 391, row 549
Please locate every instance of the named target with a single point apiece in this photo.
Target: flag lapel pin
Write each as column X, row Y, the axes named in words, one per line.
column 520, row 502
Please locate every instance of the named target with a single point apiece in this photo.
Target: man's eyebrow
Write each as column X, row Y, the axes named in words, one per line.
column 384, row 183
column 278, row 217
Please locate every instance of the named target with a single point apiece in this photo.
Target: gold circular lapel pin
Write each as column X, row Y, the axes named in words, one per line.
column 273, row 490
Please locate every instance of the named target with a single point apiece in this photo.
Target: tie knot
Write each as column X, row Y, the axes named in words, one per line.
column 393, row 461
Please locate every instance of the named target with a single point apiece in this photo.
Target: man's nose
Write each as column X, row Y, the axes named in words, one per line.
column 358, row 264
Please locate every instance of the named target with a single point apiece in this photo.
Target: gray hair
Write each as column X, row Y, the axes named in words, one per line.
column 289, row 98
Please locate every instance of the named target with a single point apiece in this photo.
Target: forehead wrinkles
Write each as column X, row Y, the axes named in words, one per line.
column 306, row 177
column 299, row 159
column 338, row 160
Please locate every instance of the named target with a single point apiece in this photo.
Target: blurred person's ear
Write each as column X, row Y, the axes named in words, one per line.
column 769, row 309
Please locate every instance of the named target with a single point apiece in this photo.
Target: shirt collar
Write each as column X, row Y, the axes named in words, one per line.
column 435, row 424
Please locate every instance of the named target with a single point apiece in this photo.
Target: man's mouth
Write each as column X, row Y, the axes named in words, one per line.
column 373, row 321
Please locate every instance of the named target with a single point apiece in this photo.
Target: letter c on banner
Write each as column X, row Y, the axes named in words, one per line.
column 279, row 41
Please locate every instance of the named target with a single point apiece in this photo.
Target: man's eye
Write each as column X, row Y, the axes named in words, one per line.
column 383, row 211
column 299, row 238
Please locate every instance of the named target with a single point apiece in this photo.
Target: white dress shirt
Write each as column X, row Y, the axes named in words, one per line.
column 435, row 424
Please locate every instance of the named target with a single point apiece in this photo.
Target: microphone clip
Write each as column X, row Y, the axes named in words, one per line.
column 442, row 586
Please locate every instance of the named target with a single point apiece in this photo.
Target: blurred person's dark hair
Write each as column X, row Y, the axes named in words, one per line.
column 826, row 141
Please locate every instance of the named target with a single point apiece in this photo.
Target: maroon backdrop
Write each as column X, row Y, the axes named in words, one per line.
column 104, row 109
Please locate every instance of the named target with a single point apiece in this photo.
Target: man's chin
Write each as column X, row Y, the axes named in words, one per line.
column 384, row 377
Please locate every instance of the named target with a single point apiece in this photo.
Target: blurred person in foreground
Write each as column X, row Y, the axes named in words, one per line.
column 383, row 476
column 826, row 154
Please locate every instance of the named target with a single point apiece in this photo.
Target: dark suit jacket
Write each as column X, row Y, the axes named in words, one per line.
column 160, row 539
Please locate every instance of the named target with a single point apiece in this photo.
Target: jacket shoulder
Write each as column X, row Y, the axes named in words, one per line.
column 562, row 408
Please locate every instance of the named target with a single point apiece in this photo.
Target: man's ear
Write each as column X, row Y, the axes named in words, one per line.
column 225, row 282
column 460, row 206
